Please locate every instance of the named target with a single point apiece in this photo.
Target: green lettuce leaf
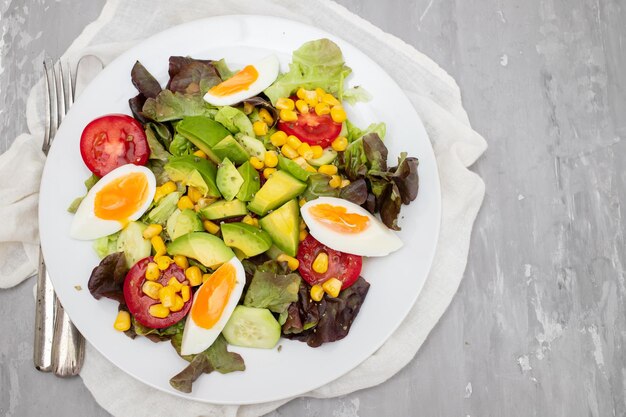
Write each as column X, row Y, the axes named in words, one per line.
column 105, row 245
column 315, row 64
column 272, row 290
column 157, row 150
column 181, row 146
column 318, row 186
column 169, row 106
column 215, row 358
column 355, row 133
column 222, row 69
column 234, row 120
column 89, row 182
column 355, row 94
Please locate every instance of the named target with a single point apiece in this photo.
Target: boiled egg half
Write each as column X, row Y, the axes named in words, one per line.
column 347, row 227
column 213, row 304
column 248, row 82
column 119, row 197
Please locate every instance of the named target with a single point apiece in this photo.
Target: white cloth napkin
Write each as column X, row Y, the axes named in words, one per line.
column 432, row 91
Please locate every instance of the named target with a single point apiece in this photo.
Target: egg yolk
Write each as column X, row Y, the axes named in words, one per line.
column 213, row 296
column 238, row 82
column 337, row 218
column 121, row 197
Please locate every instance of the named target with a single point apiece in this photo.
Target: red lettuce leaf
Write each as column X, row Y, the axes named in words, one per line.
column 191, row 76
column 145, row 83
column 107, row 279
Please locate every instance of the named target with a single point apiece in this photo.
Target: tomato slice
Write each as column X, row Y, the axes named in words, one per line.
column 111, row 141
column 312, row 129
column 343, row 266
column 138, row 303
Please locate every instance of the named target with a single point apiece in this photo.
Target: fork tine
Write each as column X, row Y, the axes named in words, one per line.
column 50, row 108
column 60, row 89
column 71, row 86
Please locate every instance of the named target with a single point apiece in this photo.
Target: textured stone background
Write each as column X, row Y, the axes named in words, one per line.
column 538, row 326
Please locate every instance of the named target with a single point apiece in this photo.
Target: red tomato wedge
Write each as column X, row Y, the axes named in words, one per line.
column 139, row 303
column 111, row 141
column 312, row 129
column 343, row 266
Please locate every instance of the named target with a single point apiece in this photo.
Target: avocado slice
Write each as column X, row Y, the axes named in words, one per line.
column 203, row 132
column 231, row 149
column 248, row 239
column 283, row 226
column 251, row 182
column 194, row 171
column 223, row 209
column 296, row 168
column 279, row 188
column 228, row 179
column 183, row 222
column 207, row 249
column 253, row 146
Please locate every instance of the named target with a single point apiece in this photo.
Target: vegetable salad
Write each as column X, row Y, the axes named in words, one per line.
column 235, row 207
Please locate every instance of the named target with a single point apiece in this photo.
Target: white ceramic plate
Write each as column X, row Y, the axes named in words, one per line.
column 396, row 280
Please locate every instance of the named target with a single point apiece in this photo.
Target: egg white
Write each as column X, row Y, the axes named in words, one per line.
column 197, row 339
column 376, row 240
column 267, row 69
column 87, row 226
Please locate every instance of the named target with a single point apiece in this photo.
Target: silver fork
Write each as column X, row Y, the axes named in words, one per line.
column 59, row 346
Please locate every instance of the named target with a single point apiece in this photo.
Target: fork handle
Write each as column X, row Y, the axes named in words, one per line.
column 68, row 345
column 44, row 319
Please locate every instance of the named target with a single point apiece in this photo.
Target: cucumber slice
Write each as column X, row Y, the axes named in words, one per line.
column 132, row 243
column 327, row 157
column 252, row 327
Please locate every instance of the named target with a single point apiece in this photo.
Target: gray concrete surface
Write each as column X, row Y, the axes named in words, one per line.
column 538, row 327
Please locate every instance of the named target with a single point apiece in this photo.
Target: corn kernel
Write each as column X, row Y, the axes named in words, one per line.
column 166, row 296
column 185, row 203
column 302, row 202
column 200, row 154
column 285, row 103
column 152, row 230
column 320, row 264
column 175, row 283
column 159, row 311
column 288, row 115
column 318, row 151
column 194, row 194
column 317, row 292
column 335, row 181
column 204, row 202
column 178, row 305
column 327, row 169
column 292, row 262
column 181, row 261
column 260, row 128
column 151, row 289
column 322, row 109
column 279, row 138
column 289, row 152
column 303, row 235
column 152, row 272
column 302, row 106
column 330, row 100
column 267, row 172
column 122, row 321
column 194, row 275
column 248, row 107
column 332, row 287
column 271, row 159
column 158, row 245
column 163, row 262
column 293, row 141
column 252, row 221
column 338, row 114
column 205, row 277
column 340, row 144
column 185, row 293
column 302, row 225
column 301, row 93
column 319, row 92
column 266, row 116
column 344, row 183
column 211, row 227
column 305, row 151
column 165, row 189
column 256, row 163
